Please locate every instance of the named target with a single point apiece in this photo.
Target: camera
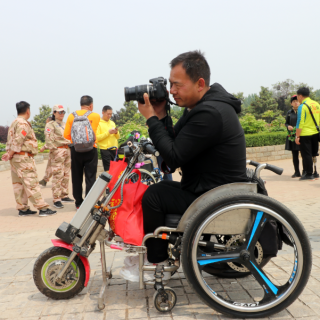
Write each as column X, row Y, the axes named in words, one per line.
column 156, row 90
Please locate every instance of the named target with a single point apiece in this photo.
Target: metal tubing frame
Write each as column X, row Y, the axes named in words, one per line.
column 101, row 304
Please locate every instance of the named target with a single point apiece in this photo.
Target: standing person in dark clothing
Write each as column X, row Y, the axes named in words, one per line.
column 291, row 122
column 209, row 147
column 162, row 112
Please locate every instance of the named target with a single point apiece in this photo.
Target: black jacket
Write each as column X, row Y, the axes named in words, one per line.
column 291, row 120
column 209, row 145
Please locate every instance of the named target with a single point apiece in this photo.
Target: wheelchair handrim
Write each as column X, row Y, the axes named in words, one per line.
column 297, row 251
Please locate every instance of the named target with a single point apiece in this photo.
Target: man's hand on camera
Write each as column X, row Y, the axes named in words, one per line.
column 146, row 109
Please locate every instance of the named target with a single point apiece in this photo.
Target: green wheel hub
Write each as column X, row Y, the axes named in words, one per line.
column 51, row 269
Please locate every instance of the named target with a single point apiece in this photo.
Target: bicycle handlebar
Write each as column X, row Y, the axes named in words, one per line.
column 149, row 148
column 274, row 169
column 267, row 166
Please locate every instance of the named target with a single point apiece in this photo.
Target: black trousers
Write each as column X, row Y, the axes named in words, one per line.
column 87, row 162
column 107, row 156
column 160, row 199
column 295, row 159
column 309, row 147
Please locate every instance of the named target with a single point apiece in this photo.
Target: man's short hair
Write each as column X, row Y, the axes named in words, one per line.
column 105, row 108
column 195, row 64
column 86, row 101
column 22, row 107
column 304, row 91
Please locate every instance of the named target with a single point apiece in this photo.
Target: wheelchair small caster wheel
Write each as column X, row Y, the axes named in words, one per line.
column 101, row 306
column 164, row 300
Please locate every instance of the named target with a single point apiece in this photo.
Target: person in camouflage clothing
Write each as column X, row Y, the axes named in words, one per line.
column 21, row 147
column 48, row 173
column 60, row 157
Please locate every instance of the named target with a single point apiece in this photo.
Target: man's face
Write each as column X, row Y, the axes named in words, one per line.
column 295, row 104
column 184, row 91
column 106, row 115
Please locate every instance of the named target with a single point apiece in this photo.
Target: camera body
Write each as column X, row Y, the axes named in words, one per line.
column 156, row 90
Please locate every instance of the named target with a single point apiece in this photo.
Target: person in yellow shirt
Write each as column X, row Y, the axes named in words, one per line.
column 107, row 137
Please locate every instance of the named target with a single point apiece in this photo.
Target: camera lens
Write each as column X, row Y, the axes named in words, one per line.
column 136, row 93
column 129, row 94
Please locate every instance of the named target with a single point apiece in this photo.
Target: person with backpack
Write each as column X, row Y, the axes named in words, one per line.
column 307, row 133
column 60, row 158
column 81, row 128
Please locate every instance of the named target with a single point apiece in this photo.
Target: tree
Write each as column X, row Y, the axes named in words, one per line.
column 4, row 133
column 264, row 102
column 247, row 100
column 39, row 121
column 128, row 113
column 281, row 91
column 251, row 125
column 239, row 96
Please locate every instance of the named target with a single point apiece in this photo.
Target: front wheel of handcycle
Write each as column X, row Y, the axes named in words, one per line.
column 48, row 266
column 243, row 216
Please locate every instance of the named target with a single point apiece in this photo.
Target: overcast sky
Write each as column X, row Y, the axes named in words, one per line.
column 53, row 52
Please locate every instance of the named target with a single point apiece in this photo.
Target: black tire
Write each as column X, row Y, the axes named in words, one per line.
column 44, row 257
column 304, row 267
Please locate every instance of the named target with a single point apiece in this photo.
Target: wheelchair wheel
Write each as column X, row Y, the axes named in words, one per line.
column 266, row 291
column 146, row 177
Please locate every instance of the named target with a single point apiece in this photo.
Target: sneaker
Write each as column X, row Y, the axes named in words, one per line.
column 58, row 205
column 47, row 212
column 67, row 199
column 316, row 175
column 306, row 177
column 296, row 175
column 43, row 182
column 26, row 213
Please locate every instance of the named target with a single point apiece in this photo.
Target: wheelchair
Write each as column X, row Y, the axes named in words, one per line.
column 221, row 227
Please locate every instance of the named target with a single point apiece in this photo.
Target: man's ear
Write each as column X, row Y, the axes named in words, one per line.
column 201, row 84
column 91, row 106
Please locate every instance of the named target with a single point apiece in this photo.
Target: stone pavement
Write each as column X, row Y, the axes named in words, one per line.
column 23, row 239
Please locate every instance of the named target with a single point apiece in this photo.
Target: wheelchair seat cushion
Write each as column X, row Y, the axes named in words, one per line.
column 172, row 220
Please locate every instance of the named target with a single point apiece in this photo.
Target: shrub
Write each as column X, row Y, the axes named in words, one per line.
column 127, row 128
column 265, row 139
column 251, row 125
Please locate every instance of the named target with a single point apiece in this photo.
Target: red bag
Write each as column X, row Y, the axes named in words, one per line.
column 116, row 169
column 127, row 220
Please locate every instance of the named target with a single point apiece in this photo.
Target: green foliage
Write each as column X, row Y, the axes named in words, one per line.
column 239, row 96
column 40, row 145
column 2, row 146
column 270, row 115
column 251, row 125
column 39, row 121
column 264, row 102
column 126, row 129
column 128, row 113
column 278, row 124
column 247, row 100
column 265, row 139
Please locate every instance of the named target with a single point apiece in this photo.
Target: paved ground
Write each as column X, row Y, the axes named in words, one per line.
column 23, row 239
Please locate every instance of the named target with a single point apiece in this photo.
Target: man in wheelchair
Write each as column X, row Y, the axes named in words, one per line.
column 209, row 147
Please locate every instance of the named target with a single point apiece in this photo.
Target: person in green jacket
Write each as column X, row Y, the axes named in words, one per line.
column 307, row 134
